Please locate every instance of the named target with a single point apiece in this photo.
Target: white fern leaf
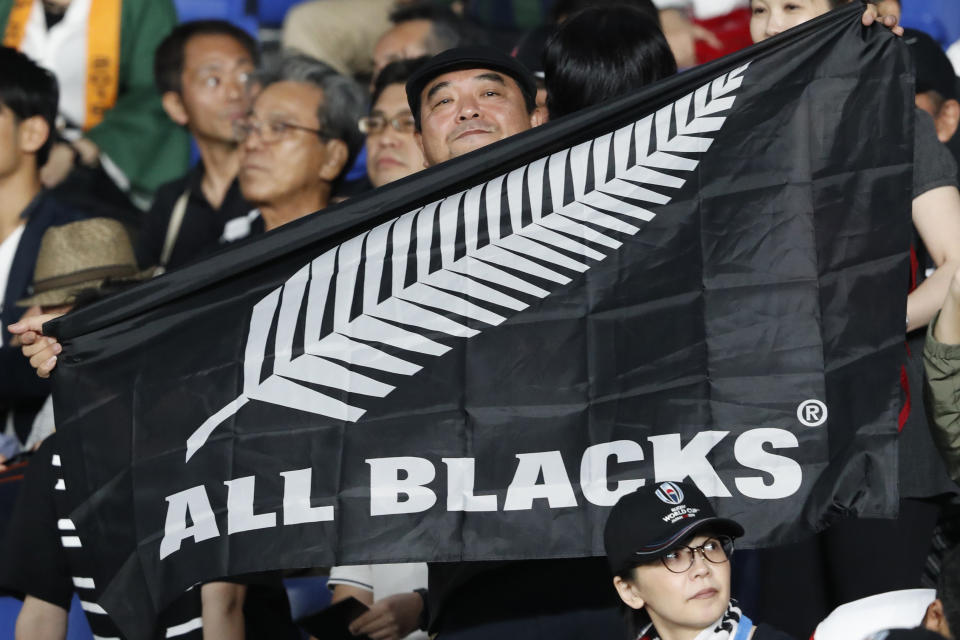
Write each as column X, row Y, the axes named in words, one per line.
column 464, row 263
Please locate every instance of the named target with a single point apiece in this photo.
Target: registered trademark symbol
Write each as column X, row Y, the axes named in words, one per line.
column 812, row 413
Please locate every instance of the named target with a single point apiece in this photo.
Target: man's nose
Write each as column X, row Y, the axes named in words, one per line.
column 468, row 109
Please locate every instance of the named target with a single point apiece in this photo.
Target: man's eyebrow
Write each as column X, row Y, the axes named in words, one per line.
column 493, row 77
column 433, row 90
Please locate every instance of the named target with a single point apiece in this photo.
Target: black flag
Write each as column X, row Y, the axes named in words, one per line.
column 704, row 280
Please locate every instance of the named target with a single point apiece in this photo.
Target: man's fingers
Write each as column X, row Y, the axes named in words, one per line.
column 46, row 368
column 29, row 337
column 44, row 344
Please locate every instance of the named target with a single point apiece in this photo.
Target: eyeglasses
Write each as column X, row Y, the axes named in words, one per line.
column 716, row 550
column 373, row 125
column 269, row 132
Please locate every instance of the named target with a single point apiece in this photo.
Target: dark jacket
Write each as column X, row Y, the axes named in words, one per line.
column 21, row 391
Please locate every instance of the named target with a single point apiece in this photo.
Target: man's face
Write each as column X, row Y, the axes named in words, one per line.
column 216, row 86
column 392, row 154
column 770, row 17
column 404, row 41
column 279, row 160
column 464, row 110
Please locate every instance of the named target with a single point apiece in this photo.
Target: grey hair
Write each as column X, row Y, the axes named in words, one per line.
column 344, row 102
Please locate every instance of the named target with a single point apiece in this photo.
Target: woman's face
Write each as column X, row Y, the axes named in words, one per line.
column 688, row 601
column 770, row 17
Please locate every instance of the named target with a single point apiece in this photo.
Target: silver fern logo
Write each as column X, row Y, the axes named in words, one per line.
column 425, row 266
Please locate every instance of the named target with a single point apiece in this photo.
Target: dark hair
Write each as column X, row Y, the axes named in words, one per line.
column 600, row 54
column 563, row 9
column 343, row 101
column 169, row 57
column 28, row 90
column 397, row 72
column 447, row 29
column 948, row 588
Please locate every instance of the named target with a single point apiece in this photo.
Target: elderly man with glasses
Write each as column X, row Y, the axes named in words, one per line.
column 297, row 141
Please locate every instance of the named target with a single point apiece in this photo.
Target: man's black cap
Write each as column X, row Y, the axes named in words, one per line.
column 469, row 58
column 646, row 524
column 933, row 69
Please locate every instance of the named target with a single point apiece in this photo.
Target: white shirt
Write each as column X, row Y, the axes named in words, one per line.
column 63, row 50
column 954, row 54
column 8, row 249
column 892, row 610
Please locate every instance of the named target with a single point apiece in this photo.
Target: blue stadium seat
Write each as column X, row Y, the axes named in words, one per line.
column 77, row 626
column 307, row 595
column 9, row 610
column 201, row 9
column 233, row 11
column 271, row 12
column 939, row 18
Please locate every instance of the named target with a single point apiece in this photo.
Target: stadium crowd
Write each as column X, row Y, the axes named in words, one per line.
column 133, row 144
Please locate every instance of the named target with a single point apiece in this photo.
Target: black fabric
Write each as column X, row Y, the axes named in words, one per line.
column 36, row 560
column 766, row 632
column 730, row 270
column 33, row 563
column 463, row 595
column 202, row 223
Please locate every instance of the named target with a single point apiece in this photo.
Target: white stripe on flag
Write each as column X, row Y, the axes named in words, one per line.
column 186, row 627
column 55, row 460
column 83, row 583
column 92, row 607
column 65, row 524
column 70, row 541
column 60, row 486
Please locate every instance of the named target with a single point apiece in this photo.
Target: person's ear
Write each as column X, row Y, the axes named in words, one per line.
column 337, row 154
column 33, row 134
column 628, row 593
column 538, row 116
column 934, row 619
column 947, row 120
column 173, row 104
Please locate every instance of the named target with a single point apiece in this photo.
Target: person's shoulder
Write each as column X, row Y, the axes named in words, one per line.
column 766, row 632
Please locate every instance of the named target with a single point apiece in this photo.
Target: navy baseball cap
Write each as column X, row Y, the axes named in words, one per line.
column 473, row 57
column 646, row 524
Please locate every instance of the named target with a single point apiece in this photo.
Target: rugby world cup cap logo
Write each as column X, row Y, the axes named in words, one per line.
column 670, row 493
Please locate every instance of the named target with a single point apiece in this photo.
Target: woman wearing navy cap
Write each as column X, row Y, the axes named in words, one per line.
column 670, row 555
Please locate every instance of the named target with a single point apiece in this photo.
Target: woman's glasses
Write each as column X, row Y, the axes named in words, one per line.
column 716, row 550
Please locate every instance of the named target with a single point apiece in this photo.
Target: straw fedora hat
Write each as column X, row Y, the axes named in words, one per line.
column 77, row 256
